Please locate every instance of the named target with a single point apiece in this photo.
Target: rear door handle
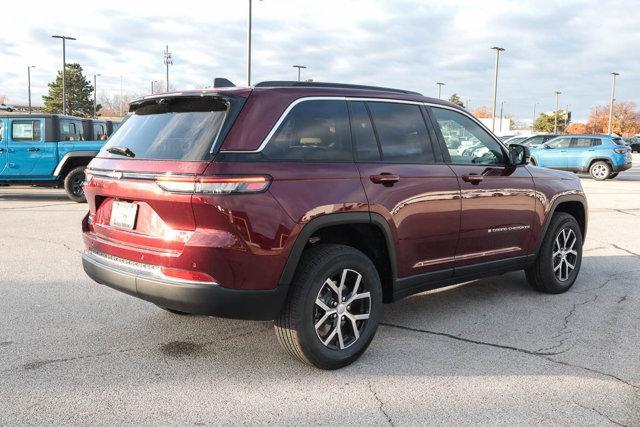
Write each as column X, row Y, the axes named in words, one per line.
column 473, row 179
column 385, row 178
column 33, row 149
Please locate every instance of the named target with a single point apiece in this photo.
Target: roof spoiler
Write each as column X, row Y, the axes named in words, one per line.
column 222, row 82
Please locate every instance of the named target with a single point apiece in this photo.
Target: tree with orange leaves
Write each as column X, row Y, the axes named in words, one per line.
column 577, row 128
column 625, row 121
column 482, row 112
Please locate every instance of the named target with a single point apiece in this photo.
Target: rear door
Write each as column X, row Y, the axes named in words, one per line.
column 406, row 182
column 580, row 151
column 498, row 200
column 27, row 152
column 3, row 148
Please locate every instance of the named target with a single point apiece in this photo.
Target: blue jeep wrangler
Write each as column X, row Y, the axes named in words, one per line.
column 50, row 150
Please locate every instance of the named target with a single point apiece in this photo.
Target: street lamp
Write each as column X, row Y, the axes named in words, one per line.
column 249, row 44
column 501, row 109
column 95, row 94
column 64, row 66
column 29, row 67
column 534, row 115
column 613, row 94
column 566, row 118
column 555, row 115
column 440, row 84
column 299, row 67
column 167, row 61
column 495, row 86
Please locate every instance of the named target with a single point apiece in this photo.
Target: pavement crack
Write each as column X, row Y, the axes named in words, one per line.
column 603, row 415
column 543, row 355
column 380, row 405
column 45, row 241
column 625, row 250
column 565, row 324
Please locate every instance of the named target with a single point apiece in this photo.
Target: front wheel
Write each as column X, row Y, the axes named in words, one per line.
column 333, row 308
column 73, row 184
column 600, row 170
column 558, row 263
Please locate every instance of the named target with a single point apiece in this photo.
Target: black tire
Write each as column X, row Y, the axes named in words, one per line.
column 542, row 274
column 295, row 328
column 73, row 184
column 600, row 170
column 613, row 175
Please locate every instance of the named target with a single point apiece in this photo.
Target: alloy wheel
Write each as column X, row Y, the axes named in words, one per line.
column 600, row 171
column 342, row 309
column 565, row 255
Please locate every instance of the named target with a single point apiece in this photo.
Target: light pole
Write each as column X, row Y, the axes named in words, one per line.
column 64, row 66
column 121, row 100
column 501, row 109
column 95, row 94
column 613, row 94
column 555, row 115
column 440, row 84
column 467, row 106
column 167, row 61
column 29, row 67
column 249, row 43
column 534, row 115
column 299, row 67
column 495, row 86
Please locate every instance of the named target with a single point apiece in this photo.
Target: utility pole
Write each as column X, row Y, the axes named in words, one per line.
column 64, row 66
column 29, row 67
column 555, row 115
column 95, row 94
column 566, row 118
column 534, row 115
column 495, row 86
column 299, row 67
column 467, row 106
column 613, row 94
column 440, row 84
column 501, row 108
column 121, row 100
column 167, row 61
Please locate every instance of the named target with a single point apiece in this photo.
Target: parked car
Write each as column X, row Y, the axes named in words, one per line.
column 5, row 107
column 312, row 204
column 634, row 143
column 537, row 140
column 602, row 156
column 516, row 139
column 47, row 150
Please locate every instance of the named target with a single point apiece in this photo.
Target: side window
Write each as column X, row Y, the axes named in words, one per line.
column 363, row 135
column 70, row 131
column 581, row 142
column 596, row 142
column 402, row 132
column 466, row 141
column 315, row 131
column 26, row 130
column 99, row 132
column 1, row 130
column 559, row 143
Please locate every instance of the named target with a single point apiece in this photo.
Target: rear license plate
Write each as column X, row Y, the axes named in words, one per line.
column 123, row 215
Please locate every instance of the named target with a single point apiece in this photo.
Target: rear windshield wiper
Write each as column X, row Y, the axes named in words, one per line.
column 122, row 151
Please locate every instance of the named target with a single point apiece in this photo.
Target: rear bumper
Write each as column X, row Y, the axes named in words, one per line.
column 190, row 297
column 620, row 168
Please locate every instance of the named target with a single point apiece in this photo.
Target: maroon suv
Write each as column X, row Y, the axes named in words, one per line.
column 313, row 204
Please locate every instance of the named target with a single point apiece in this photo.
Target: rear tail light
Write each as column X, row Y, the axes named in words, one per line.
column 620, row 150
column 192, row 276
column 214, row 184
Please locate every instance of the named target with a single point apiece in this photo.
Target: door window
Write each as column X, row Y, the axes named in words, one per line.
column 99, row 131
column 559, row 143
column 364, row 138
column 582, row 142
column 70, row 131
column 26, row 130
column 402, row 132
column 315, row 131
column 466, row 141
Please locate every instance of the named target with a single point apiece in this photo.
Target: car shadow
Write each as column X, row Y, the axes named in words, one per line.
column 33, row 195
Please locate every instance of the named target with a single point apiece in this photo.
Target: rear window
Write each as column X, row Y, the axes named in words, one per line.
column 26, row 130
column 171, row 129
column 618, row 141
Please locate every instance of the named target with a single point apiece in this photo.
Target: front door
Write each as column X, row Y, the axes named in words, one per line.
column 555, row 154
column 26, row 150
column 498, row 199
column 407, row 183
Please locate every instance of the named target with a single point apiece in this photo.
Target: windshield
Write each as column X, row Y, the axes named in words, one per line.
column 170, row 129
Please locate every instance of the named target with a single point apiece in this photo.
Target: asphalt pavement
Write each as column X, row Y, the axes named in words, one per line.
column 487, row 352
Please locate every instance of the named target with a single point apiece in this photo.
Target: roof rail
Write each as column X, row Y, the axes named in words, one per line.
column 287, row 83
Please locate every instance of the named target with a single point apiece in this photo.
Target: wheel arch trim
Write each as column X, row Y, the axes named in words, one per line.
column 72, row 155
column 552, row 210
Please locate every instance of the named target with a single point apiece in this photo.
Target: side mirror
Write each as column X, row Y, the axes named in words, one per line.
column 519, row 154
column 547, row 146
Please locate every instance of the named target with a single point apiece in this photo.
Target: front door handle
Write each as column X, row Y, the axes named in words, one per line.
column 1, row 150
column 385, row 178
column 473, row 179
column 32, row 149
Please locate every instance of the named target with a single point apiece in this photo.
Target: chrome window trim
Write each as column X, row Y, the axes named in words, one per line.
column 287, row 110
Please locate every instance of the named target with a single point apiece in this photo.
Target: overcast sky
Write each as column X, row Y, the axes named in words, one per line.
column 571, row 46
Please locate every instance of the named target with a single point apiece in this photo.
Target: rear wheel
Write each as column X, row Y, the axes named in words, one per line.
column 73, row 184
column 600, row 170
column 558, row 263
column 333, row 308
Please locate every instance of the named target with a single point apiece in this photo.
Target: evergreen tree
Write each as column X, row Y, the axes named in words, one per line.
column 78, row 91
column 455, row 99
